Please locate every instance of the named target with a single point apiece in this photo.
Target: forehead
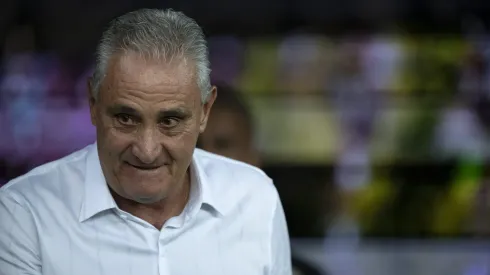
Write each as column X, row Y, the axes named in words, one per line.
column 132, row 74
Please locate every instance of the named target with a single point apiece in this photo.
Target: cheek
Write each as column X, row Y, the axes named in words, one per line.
column 114, row 142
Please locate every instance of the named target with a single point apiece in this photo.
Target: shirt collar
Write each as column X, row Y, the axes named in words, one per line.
column 202, row 181
column 97, row 197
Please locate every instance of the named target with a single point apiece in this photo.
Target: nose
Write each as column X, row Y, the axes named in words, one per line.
column 147, row 147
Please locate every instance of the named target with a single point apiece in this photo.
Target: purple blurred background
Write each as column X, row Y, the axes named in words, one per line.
column 372, row 117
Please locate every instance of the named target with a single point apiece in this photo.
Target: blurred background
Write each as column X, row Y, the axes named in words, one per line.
column 372, row 117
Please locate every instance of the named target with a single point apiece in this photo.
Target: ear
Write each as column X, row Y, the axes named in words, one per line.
column 206, row 109
column 91, row 100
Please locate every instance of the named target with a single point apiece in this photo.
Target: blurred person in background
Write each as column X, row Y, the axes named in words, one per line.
column 230, row 129
column 366, row 70
column 231, row 133
column 476, row 76
column 143, row 199
column 354, row 101
column 462, row 135
column 24, row 88
column 303, row 63
column 37, row 94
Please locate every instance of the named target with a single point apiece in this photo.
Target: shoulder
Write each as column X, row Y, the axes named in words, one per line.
column 235, row 181
column 233, row 173
column 48, row 180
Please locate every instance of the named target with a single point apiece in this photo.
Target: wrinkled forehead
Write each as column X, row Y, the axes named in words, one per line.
column 143, row 70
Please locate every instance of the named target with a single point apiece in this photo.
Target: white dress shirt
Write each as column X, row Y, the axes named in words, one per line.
column 60, row 219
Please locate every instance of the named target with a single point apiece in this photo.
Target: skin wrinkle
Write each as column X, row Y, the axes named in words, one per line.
column 161, row 146
column 149, row 56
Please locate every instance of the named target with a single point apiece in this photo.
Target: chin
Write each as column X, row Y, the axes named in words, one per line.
column 150, row 195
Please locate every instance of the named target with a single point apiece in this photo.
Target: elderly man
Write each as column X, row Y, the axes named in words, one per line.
column 143, row 200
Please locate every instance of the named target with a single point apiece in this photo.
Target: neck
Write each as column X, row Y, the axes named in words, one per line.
column 159, row 212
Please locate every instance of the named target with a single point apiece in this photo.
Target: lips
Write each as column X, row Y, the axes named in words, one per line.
column 144, row 167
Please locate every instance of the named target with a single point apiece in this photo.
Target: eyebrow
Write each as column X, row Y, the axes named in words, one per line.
column 175, row 112
column 116, row 109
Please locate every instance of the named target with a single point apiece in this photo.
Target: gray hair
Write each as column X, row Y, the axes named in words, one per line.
column 158, row 34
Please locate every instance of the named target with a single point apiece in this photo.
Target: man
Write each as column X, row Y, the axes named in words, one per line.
column 230, row 133
column 143, row 200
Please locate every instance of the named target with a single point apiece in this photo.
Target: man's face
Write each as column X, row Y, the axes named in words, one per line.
column 148, row 116
column 227, row 135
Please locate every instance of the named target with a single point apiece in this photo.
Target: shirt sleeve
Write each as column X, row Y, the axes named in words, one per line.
column 280, row 247
column 19, row 247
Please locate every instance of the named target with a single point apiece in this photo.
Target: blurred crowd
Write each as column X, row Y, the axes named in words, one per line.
column 380, row 132
column 365, row 133
column 395, row 126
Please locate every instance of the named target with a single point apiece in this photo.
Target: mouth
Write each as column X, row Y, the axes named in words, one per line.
column 144, row 167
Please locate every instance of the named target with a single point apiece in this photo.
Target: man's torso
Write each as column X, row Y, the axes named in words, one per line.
column 231, row 239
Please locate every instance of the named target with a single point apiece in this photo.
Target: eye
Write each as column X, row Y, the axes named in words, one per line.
column 125, row 119
column 170, row 122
